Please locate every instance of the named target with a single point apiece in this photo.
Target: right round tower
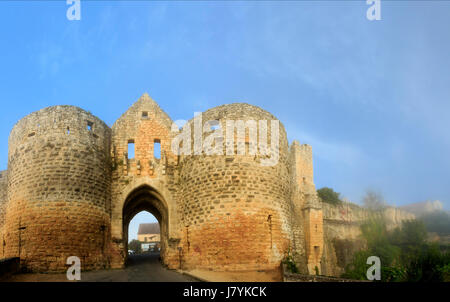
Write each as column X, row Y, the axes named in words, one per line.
column 236, row 209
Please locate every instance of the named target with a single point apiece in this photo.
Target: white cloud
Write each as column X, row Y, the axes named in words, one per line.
column 332, row 151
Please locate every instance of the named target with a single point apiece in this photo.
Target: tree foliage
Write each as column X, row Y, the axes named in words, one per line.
column 404, row 253
column 379, row 241
column 428, row 265
column 135, row 246
column 328, row 195
column 437, row 221
column 374, row 201
column 410, row 237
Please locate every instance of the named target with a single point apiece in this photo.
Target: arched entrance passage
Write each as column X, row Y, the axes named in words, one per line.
column 146, row 198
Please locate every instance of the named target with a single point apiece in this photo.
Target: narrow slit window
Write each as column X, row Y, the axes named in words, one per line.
column 89, row 125
column 131, row 149
column 317, row 250
column 157, row 149
column 68, row 130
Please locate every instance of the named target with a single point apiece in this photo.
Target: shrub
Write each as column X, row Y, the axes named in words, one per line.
column 290, row 263
column 404, row 254
column 329, row 196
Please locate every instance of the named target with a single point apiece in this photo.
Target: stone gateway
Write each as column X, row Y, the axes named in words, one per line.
column 71, row 189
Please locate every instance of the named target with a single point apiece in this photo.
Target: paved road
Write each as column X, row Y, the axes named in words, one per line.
column 141, row 268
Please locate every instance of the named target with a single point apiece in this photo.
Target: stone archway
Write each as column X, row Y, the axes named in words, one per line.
column 146, row 198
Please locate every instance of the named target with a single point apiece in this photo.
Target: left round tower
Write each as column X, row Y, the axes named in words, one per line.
column 58, row 200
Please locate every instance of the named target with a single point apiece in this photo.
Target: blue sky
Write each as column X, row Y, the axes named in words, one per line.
column 142, row 217
column 372, row 98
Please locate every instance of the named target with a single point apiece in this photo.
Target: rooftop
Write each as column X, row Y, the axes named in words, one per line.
column 148, row 228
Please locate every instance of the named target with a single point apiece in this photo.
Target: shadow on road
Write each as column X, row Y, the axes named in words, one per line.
column 139, row 268
column 149, row 258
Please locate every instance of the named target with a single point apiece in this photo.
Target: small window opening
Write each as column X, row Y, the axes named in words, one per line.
column 131, row 149
column 145, row 114
column 32, row 134
column 215, row 126
column 157, row 149
column 316, row 250
column 89, row 125
column 68, row 130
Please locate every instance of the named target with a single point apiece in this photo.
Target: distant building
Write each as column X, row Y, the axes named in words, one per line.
column 149, row 236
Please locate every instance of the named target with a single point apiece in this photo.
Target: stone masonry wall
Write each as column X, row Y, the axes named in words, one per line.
column 58, row 190
column 303, row 189
column 144, row 124
column 3, row 196
column 236, row 212
column 342, row 233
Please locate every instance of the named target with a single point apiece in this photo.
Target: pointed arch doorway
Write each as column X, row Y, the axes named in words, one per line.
column 146, row 198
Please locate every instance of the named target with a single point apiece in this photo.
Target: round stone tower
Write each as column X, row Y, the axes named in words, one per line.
column 58, row 190
column 236, row 209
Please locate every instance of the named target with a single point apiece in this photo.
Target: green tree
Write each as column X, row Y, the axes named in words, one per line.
column 135, row 246
column 357, row 269
column 376, row 235
column 374, row 201
column 404, row 253
column 329, row 196
column 437, row 221
column 430, row 265
column 410, row 237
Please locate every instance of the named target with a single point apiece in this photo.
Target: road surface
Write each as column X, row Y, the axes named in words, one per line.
column 141, row 268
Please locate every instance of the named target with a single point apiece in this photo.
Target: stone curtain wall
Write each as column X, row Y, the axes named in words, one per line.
column 341, row 225
column 395, row 216
column 342, row 233
column 58, row 179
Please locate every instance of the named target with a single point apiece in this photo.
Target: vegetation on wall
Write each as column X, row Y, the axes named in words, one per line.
column 374, row 200
column 404, row 253
column 289, row 262
column 328, row 195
